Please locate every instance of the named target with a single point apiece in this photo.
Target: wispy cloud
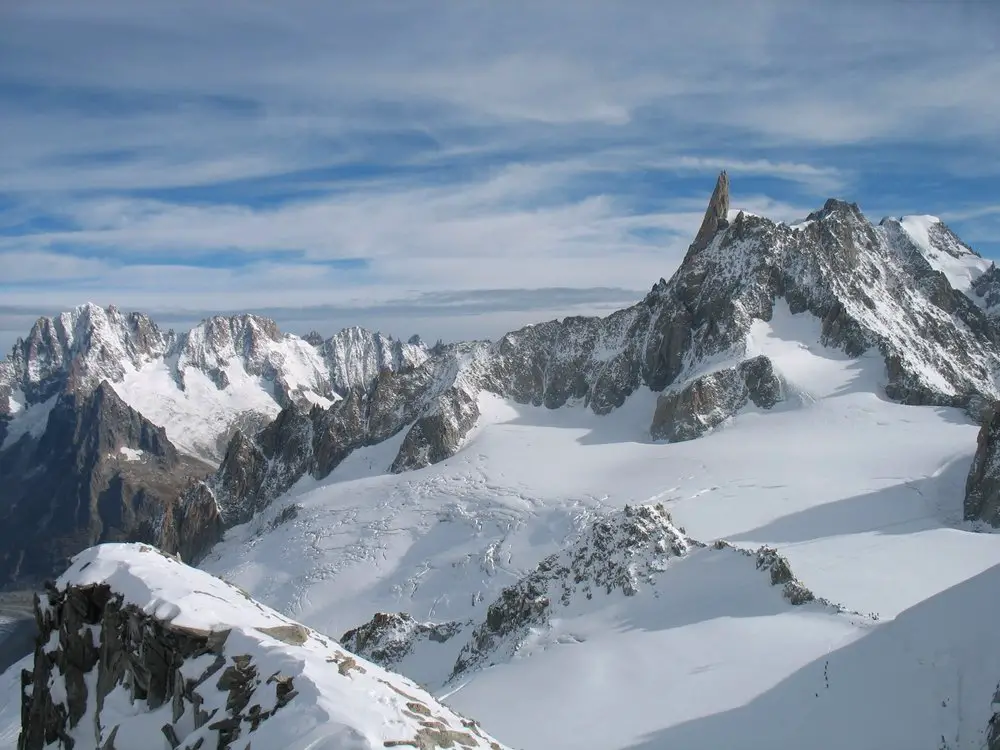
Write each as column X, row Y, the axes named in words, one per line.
column 250, row 154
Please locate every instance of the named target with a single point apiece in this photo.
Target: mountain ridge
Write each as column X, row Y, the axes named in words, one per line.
column 272, row 408
column 872, row 288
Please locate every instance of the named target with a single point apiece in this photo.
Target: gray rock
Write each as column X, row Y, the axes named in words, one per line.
column 622, row 551
column 73, row 487
column 716, row 216
column 982, row 487
column 389, row 637
column 141, row 654
column 708, row 401
column 438, row 434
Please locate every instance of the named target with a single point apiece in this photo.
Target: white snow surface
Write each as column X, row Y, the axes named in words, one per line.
column 10, row 703
column 862, row 495
column 946, row 255
column 360, row 707
column 196, row 417
column 28, row 420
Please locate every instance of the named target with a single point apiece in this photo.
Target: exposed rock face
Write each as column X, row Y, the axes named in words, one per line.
column 708, row 401
column 716, row 216
column 622, row 551
column 388, row 638
column 432, row 398
column 116, row 656
column 781, row 574
column 77, row 473
column 439, row 432
column 191, row 526
column 100, row 472
column 357, row 356
column 987, row 288
column 982, row 488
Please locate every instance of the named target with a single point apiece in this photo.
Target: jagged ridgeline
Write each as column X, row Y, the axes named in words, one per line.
column 241, row 412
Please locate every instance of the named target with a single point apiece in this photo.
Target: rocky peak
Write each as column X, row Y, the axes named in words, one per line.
column 987, row 289
column 619, row 553
column 716, row 215
column 356, row 356
column 78, row 349
column 982, row 488
column 215, row 342
column 314, row 338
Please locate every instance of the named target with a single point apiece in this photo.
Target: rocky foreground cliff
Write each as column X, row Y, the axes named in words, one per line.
column 138, row 650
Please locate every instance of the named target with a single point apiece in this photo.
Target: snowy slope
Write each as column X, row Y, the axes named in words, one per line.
column 304, row 691
column 944, row 251
column 10, row 703
column 862, row 495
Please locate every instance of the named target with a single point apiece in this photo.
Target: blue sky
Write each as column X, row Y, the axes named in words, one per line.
column 460, row 168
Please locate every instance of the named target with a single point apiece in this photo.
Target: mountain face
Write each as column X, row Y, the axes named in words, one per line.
column 100, row 471
column 105, row 419
column 137, row 649
column 902, row 290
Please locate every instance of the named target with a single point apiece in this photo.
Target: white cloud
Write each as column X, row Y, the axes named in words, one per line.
column 504, row 133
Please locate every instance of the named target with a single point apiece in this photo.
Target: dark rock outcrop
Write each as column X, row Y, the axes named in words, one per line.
column 982, row 487
column 100, row 472
column 299, row 443
column 389, row 637
column 708, row 401
column 145, row 656
column 438, row 434
column 987, row 288
column 716, row 216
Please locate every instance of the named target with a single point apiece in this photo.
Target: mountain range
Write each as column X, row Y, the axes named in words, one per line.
column 724, row 516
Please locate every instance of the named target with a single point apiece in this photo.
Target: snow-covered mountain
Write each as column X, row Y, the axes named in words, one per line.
column 105, row 418
column 226, row 372
column 584, row 533
column 137, row 650
column 702, row 340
